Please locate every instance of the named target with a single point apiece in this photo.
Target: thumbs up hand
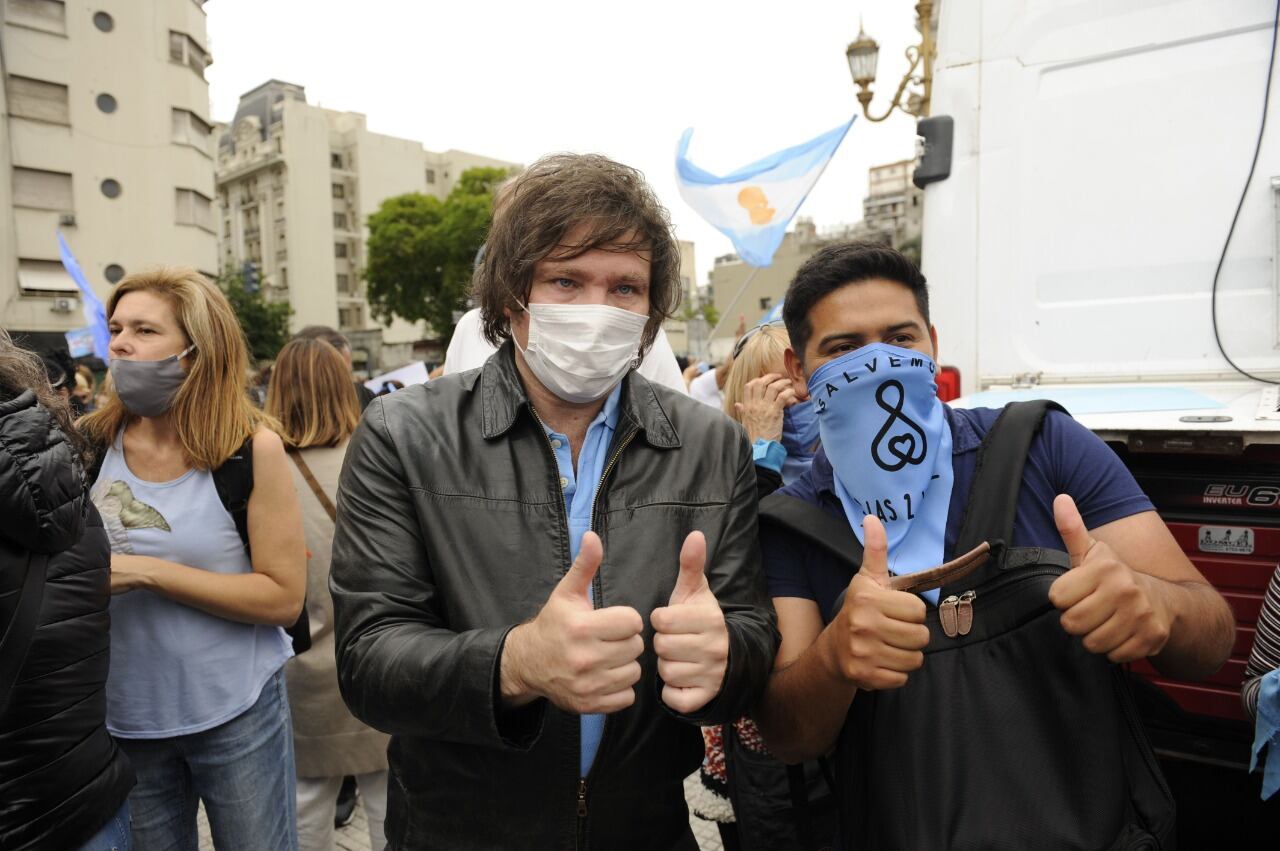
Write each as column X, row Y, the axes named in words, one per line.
column 690, row 638
column 1119, row 612
column 580, row 658
column 878, row 637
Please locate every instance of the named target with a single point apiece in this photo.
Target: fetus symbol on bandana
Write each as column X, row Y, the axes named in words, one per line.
column 900, row 440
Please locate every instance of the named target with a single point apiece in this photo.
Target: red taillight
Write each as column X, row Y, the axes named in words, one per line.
column 948, row 383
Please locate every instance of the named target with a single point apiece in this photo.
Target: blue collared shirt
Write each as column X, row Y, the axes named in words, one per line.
column 578, row 502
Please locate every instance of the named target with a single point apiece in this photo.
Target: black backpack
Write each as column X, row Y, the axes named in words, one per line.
column 1011, row 735
column 234, row 483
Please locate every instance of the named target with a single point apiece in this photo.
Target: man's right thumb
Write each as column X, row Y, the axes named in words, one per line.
column 875, row 550
column 577, row 581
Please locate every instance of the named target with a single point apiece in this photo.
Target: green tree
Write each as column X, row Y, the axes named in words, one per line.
column 421, row 250
column 706, row 311
column 265, row 323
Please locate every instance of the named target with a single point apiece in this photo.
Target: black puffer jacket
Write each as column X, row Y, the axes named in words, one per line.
column 61, row 775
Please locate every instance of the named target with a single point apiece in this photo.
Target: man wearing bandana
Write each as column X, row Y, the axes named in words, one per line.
column 545, row 570
column 896, row 465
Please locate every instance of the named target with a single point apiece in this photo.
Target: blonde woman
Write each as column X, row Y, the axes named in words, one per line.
column 757, row 393
column 312, row 397
column 196, row 694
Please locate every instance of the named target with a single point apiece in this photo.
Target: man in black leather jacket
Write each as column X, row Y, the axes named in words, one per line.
column 543, row 654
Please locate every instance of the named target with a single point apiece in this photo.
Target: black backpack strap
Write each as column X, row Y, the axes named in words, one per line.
column 16, row 639
column 234, row 482
column 810, row 522
column 993, row 496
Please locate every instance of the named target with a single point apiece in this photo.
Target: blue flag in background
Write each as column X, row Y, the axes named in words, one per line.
column 753, row 204
column 94, row 311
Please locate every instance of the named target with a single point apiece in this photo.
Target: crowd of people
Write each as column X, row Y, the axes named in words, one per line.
column 520, row 603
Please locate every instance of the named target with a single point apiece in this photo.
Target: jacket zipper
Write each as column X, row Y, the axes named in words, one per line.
column 598, row 598
column 596, row 589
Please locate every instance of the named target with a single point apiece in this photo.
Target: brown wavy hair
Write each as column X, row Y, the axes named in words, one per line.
column 548, row 200
column 311, row 395
column 212, row 413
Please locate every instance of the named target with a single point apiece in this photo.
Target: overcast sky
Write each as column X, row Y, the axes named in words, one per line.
column 516, row 81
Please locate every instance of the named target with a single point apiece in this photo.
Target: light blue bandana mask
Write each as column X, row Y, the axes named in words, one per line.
column 799, row 438
column 887, row 438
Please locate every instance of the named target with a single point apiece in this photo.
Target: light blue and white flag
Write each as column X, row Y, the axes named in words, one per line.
column 753, row 204
column 94, row 311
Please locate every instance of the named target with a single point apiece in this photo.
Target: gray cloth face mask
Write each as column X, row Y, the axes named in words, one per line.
column 147, row 387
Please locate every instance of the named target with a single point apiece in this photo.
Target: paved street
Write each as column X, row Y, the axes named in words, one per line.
column 355, row 836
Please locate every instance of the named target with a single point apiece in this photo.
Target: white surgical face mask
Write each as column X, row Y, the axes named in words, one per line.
column 581, row 351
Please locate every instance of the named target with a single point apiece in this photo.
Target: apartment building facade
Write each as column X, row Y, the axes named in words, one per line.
column 296, row 184
column 104, row 136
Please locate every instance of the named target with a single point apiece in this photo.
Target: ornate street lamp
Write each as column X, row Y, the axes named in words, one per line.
column 864, row 53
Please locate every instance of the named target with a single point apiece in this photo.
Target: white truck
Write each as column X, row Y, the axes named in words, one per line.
column 1098, row 153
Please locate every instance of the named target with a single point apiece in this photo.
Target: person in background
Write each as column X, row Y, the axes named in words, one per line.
column 760, row 395
column 106, row 387
column 86, row 386
column 783, row 433
column 339, row 341
column 61, row 372
column 346, row 805
column 1261, row 692
column 64, row 783
column 312, row 398
column 708, row 387
column 196, row 695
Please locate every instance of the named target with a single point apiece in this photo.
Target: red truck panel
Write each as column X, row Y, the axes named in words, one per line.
column 1242, row 579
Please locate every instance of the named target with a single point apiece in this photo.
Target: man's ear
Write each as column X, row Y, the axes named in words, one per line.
column 933, row 338
column 795, row 371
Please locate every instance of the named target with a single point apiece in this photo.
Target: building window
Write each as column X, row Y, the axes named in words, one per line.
column 192, row 208
column 38, row 100
column 189, row 129
column 44, row 277
column 47, row 15
column 350, row 317
column 335, row 160
column 183, row 49
column 42, row 190
column 113, row 273
column 342, row 283
column 103, row 21
column 766, row 303
column 340, row 221
column 339, row 191
column 431, row 175
column 339, row 249
column 106, row 103
column 111, row 188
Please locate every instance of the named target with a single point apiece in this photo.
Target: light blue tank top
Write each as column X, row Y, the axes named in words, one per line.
column 174, row 669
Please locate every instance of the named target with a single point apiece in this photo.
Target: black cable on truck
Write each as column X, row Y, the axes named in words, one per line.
column 1213, row 298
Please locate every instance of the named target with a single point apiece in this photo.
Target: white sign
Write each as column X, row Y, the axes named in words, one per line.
column 1234, row 540
column 413, row 373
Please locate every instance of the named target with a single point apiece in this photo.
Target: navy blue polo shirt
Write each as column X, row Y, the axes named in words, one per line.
column 1064, row 457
